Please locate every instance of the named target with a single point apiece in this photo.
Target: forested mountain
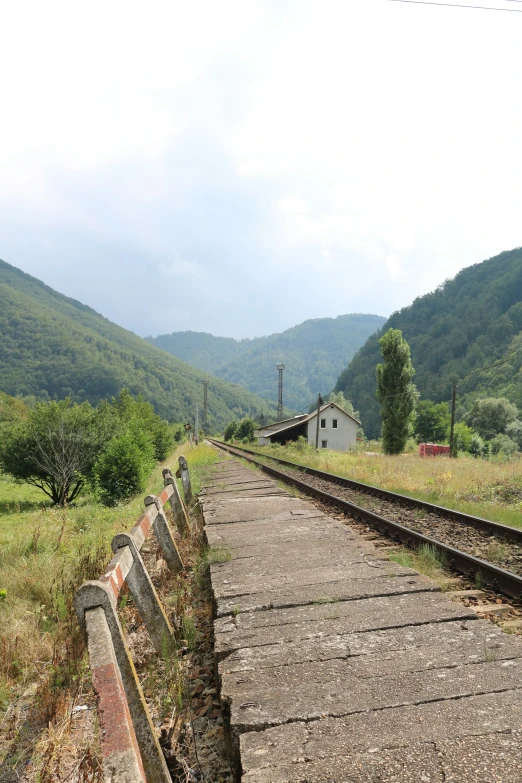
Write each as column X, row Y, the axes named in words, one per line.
column 52, row 346
column 201, row 350
column 466, row 324
column 314, row 353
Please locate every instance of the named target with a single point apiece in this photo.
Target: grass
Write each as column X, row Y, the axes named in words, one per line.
column 486, row 488
column 45, row 554
column 426, row 560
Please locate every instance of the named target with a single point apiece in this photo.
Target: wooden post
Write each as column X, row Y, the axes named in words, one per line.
column 319, row 401
column 453, row 450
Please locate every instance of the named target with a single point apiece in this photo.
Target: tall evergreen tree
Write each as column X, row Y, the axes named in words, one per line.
column 395, row 391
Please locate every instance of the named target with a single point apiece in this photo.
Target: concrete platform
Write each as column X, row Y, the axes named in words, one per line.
column 337, row 664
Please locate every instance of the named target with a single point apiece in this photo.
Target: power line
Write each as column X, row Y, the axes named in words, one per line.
column 458, row 5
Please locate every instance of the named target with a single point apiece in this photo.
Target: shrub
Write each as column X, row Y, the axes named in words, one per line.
column 230, row 431
column 123, row 468
column 492, row 416
column 245, row 430
column 504, row 444
column 462, row 436
column 477, row 446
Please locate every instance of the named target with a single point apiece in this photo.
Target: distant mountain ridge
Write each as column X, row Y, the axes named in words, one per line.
column 314, row 353
column 465, row 325
column 52, row 346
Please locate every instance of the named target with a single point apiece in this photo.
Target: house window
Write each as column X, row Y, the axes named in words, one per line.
column 324, row 444
column 323, row 424
column 334, row 424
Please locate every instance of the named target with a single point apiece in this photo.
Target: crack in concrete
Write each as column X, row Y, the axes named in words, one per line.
column 224, row 654
column 318, row 602
column 243, row 728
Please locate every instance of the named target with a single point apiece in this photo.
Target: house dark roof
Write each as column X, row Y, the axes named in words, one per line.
column 299, row 420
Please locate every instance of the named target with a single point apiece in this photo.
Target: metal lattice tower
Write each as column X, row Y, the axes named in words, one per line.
column 280, row 366
column 205, row 404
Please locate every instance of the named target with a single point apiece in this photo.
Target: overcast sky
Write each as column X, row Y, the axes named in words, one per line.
column 239, row 167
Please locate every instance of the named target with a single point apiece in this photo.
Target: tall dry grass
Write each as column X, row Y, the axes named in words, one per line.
column 488, row 488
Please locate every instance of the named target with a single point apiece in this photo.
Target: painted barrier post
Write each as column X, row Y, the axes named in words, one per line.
column 103, row 594
column 146, row 598
column 185, row 479
column 176, row 503
column 122, row 762
column 163, row 533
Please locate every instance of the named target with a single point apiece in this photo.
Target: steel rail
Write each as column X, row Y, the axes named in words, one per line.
column 504, row 532
column 472, row 567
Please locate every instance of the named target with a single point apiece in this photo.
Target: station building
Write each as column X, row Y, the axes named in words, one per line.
column 337, row 429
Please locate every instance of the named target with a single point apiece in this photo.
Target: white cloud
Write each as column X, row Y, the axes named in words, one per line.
column 394, row 268
column 375, row 141
column 181, row 268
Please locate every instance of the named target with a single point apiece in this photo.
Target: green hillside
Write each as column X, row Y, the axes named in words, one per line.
column 314, row 353
column 464, row 325
column 201, row 350
column 52, row 346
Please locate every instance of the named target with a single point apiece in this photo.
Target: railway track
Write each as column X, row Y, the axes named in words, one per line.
column 464, row 541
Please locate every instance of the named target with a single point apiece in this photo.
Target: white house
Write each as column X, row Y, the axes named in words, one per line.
column 337, row 429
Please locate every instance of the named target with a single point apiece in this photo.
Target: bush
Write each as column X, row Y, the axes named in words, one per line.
column 245, row 430
column 230, row 431
column 477, row 446
column 462, row 436
column 123, row 468
column 431, row 422
column 492, row 416
column 504, row 444
column 140, row 414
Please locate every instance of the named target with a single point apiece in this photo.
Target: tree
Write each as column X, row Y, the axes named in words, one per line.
column 53, row 449
column 491, row 416
column 477, row 446
column 395, row 391
column 230, row 430
column 462, row 435
column 431, row 421
column 245, row 430
column 502, row 443
column 122, row 468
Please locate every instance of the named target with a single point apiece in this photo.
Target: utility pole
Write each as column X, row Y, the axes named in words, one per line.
column 196, row 433
column 205, row 405
column 319, row 403
column 453, row 451
column 280, row 366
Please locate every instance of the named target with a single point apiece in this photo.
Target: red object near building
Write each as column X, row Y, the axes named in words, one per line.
column 432, row 450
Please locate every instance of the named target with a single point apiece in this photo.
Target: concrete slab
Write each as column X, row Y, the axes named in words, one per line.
column 296, row 556
column 267, row 490
column 245, row 583
column 471, row 716
column 253, row 544
column 259, row 547
column 249, row 509
column 374, row 653
column 310, row 691
column 246, row 486
column 253, row 629
column 236, row 480
column 338, row 665
column 417, row 763
column 496, row 758
column 324, row 592
column 279, row 528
